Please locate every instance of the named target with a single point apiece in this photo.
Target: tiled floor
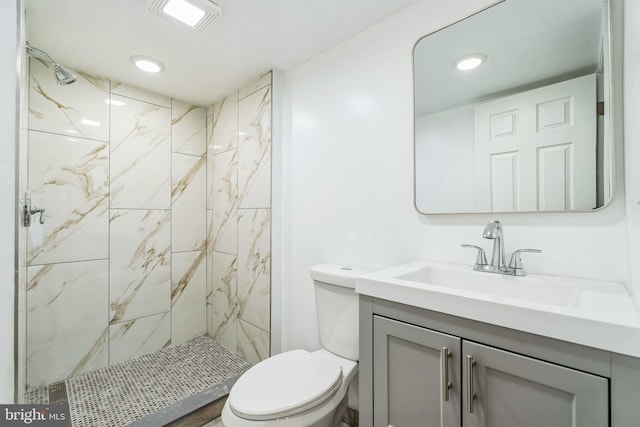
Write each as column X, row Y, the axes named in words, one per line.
column 128, row 391
column 37, row 395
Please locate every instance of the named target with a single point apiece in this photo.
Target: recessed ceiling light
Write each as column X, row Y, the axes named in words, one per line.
column 147, row 64
column 469, row 62
column 195, row 15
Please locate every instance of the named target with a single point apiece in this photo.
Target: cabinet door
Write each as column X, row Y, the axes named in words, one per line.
column 517, row 391
column 409, row 366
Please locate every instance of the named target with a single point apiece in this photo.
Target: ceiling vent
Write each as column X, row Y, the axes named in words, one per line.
column 196, row 15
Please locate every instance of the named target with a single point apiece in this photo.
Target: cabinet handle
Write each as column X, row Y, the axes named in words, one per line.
column 470, row 393
column 445, row 354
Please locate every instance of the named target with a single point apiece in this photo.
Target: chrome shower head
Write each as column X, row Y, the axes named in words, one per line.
column 63, row 75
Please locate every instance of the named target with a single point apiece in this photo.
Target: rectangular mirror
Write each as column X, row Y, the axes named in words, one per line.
column 512, row 110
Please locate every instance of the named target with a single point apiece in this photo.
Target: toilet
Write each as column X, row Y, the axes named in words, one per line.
column 299, row 388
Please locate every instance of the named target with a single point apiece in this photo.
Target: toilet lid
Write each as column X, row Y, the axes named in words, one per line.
column 283, row 385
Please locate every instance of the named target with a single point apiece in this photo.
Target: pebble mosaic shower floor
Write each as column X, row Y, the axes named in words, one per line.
column 128, row 391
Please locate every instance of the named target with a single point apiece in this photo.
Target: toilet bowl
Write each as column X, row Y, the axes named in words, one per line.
column 299, row 388
column 293, row 389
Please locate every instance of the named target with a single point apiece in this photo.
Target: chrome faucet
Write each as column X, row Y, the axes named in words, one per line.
column 493, row 231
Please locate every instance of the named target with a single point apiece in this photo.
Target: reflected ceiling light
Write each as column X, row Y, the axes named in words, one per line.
column 195, row 15
column 469, row 62
column 115, row 102
column 147, row 64
column 90, row 122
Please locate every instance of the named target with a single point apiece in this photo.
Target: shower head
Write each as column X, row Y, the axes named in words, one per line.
column 63, row 75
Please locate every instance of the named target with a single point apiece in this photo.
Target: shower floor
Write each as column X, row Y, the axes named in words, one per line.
column 150, row 390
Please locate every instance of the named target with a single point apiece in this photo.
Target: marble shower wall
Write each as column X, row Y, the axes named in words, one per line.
column 118, row 269
column 239, row 220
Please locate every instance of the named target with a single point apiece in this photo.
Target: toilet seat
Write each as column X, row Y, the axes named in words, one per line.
column 283, row 385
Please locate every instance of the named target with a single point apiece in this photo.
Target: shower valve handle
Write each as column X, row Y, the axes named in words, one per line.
column 28, row 210
column 35, row 210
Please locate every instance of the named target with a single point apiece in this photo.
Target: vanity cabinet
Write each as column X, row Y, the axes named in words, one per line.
column 407, row 381
column 408, row 355
column 427, row 378
column 508, row 389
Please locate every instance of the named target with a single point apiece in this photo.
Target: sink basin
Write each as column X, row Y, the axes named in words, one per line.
column 594, row 313
column 531, row 289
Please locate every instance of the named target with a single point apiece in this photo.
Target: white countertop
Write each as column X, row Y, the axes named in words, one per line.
column 593, row 313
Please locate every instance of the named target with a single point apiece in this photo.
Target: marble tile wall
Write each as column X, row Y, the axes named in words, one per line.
column 239, row 220
column 189, row 222
column 140, row 147
column 69, row 178
column 67, row 320
column 140, row 263
column 119, row 267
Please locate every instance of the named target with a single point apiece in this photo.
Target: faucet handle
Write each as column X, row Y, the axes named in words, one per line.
column 516, row 261
column 481, row 258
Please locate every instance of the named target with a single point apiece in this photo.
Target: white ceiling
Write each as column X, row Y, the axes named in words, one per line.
column 251, row 36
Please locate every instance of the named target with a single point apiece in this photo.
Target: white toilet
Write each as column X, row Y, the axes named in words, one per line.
column 300, row 388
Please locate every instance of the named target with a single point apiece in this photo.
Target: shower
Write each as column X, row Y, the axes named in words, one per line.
column 63, row 75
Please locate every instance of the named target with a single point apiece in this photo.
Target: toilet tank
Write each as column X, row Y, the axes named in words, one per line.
column 337, row 308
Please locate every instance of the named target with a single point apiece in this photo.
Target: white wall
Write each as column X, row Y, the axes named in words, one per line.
column 349, row 175
column 632, row 136
column 8, row 114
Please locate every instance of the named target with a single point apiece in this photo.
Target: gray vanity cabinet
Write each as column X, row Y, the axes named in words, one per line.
column 514, row 390
column 408, row 380
column 487, row 386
